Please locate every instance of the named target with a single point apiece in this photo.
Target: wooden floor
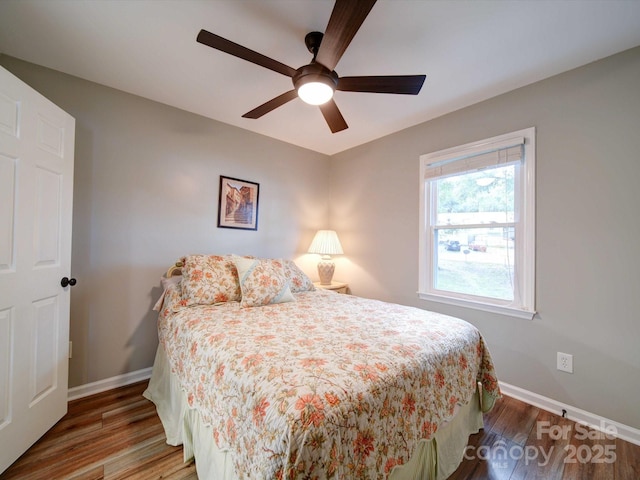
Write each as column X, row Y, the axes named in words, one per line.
column 521, row 442
column 117, row 435
column 111, row 435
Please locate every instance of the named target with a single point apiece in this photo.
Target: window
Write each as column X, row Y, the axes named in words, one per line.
column 477, row 225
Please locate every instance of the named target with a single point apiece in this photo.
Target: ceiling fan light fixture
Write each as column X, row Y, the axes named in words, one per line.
column 315, row 93
column 315, row 84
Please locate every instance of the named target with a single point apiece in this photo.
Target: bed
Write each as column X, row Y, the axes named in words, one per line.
column 259, row 375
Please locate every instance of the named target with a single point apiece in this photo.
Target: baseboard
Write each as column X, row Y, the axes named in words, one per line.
column 592, row 420
column 108, row 383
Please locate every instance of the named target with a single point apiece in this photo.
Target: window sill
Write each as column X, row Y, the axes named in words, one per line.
column 485, row 307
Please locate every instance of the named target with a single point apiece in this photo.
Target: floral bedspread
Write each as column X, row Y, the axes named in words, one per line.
column 328, row 386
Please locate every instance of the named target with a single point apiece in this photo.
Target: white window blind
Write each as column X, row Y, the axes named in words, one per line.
column 452, row 166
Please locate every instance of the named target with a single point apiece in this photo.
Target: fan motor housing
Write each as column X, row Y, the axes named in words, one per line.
column 315, row 72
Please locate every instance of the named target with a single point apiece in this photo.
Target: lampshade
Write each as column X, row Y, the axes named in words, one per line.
column 326, row 242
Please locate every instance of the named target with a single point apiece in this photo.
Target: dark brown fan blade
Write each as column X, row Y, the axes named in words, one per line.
column 345, row 20
column 334, row 118
column 214, row 41
column 402, row 84
column 271, row 104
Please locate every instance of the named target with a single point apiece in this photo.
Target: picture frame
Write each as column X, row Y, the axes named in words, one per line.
column 238, row 203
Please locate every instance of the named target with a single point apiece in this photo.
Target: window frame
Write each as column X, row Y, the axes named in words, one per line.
column 524, row 248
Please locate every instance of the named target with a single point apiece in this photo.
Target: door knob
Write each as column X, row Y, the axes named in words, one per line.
column 68, row 281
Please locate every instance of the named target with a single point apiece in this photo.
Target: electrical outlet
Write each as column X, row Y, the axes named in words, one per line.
column 565, row 362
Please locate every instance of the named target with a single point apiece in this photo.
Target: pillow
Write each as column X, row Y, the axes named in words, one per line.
column 172, row 301
column 262, row 281
column 166, row 283
column 298, row 280
column 209, row 279
column 173, row 280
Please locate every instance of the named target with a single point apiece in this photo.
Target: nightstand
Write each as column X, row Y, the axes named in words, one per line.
column 338, row 287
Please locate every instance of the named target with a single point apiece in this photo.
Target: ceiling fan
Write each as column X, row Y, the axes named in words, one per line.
column 316, row 82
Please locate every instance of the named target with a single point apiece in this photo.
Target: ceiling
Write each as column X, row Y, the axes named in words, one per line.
column 470, row 50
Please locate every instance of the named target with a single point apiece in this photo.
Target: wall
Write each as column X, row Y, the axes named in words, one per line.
column 588, row 227
column 145, row 193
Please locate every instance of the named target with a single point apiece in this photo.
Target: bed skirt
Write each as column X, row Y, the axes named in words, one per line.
column 433, row 459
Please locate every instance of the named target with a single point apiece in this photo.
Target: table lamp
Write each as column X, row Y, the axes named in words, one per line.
column 326, row 243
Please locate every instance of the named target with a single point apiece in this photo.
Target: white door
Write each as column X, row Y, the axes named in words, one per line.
column 36, row 187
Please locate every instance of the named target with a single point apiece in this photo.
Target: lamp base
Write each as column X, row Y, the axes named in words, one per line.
column 325, row 271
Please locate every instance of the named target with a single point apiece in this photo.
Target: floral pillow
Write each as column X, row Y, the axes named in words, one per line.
column 172, row 301
column 209, row 279
column 298, row 280
column 166, row 284
column 262, row 281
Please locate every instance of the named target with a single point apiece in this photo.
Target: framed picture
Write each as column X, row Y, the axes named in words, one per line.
column 238, row 204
